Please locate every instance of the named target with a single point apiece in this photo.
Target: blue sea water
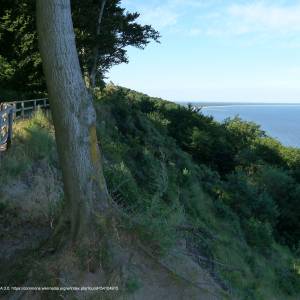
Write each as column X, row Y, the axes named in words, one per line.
column 279, row 121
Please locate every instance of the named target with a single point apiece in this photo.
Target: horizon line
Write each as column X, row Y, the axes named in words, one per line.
column 237, row 102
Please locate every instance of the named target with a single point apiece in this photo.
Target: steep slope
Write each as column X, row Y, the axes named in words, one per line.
column 207, row 210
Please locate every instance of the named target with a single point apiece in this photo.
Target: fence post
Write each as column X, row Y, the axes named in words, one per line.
column 10, row 127
column 14, row 110
column 22, row 110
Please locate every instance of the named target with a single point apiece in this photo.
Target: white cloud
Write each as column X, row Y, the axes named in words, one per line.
column 267, row 17
column 263, row 19
column 159, row 17
column 162, row 14
column 259, row 21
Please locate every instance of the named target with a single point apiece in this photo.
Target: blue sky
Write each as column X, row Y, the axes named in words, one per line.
column 213, row 50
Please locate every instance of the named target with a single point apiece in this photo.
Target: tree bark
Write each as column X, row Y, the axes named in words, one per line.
column 73, row 115
column 93, row 72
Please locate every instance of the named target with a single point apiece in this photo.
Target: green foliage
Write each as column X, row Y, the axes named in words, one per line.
column 34, row 141
column 20, row 62
column 226, row 191
column 132, row 285
column 247, row 199
column 288, row 280
column 156, row 224
column 259, row 234
column 13, row 164
column 122, row 184
column 40, row 138
column 119, row 29
column 285, row 191
column 234, row 189
column 243, row 133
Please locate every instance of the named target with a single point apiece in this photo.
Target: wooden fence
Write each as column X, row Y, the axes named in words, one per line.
column 11, row 111
column 25, row 108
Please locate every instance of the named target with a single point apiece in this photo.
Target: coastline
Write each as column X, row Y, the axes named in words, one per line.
column 229, row 104
column 279, row 121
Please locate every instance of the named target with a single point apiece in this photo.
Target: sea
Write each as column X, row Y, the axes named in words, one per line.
column 280, row 121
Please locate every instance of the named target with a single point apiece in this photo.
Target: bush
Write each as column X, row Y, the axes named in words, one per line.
column 156, row 224
column 288, row 280
column 121, row 184
column 13, row 163
column 248, row 199
column 285, row 192
column 259, row 235
column 40, row 138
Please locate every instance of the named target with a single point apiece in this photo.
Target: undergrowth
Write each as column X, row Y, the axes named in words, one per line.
column 227, row 190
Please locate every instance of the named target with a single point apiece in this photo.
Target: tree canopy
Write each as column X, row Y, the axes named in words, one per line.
column 20, row 62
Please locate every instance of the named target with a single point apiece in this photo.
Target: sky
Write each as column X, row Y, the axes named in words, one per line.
column 216, row 50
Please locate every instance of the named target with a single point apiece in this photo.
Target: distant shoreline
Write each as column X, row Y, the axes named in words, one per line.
column 223, row 104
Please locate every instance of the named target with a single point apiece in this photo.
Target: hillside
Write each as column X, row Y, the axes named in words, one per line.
column 214, row 206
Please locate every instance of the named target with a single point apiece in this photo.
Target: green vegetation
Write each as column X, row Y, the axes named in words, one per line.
column 33, row 141
column 228, row 190
column 21, row 74
column 233, row 190
column 225, row 196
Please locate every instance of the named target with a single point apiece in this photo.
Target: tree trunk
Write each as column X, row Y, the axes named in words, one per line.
column 93, row 72
column 74, row 117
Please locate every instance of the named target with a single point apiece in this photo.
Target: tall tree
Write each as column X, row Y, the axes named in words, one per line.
column 74, row 118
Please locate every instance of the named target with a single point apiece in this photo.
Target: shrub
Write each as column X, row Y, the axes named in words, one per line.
column 288, row 280
column 121, row 184
column 156, row 223
column 258, row 234
column 13, row 163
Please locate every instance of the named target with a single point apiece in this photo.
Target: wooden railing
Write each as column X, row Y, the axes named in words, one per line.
column 26, row 107
column 11, row 111
column 6, row 122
